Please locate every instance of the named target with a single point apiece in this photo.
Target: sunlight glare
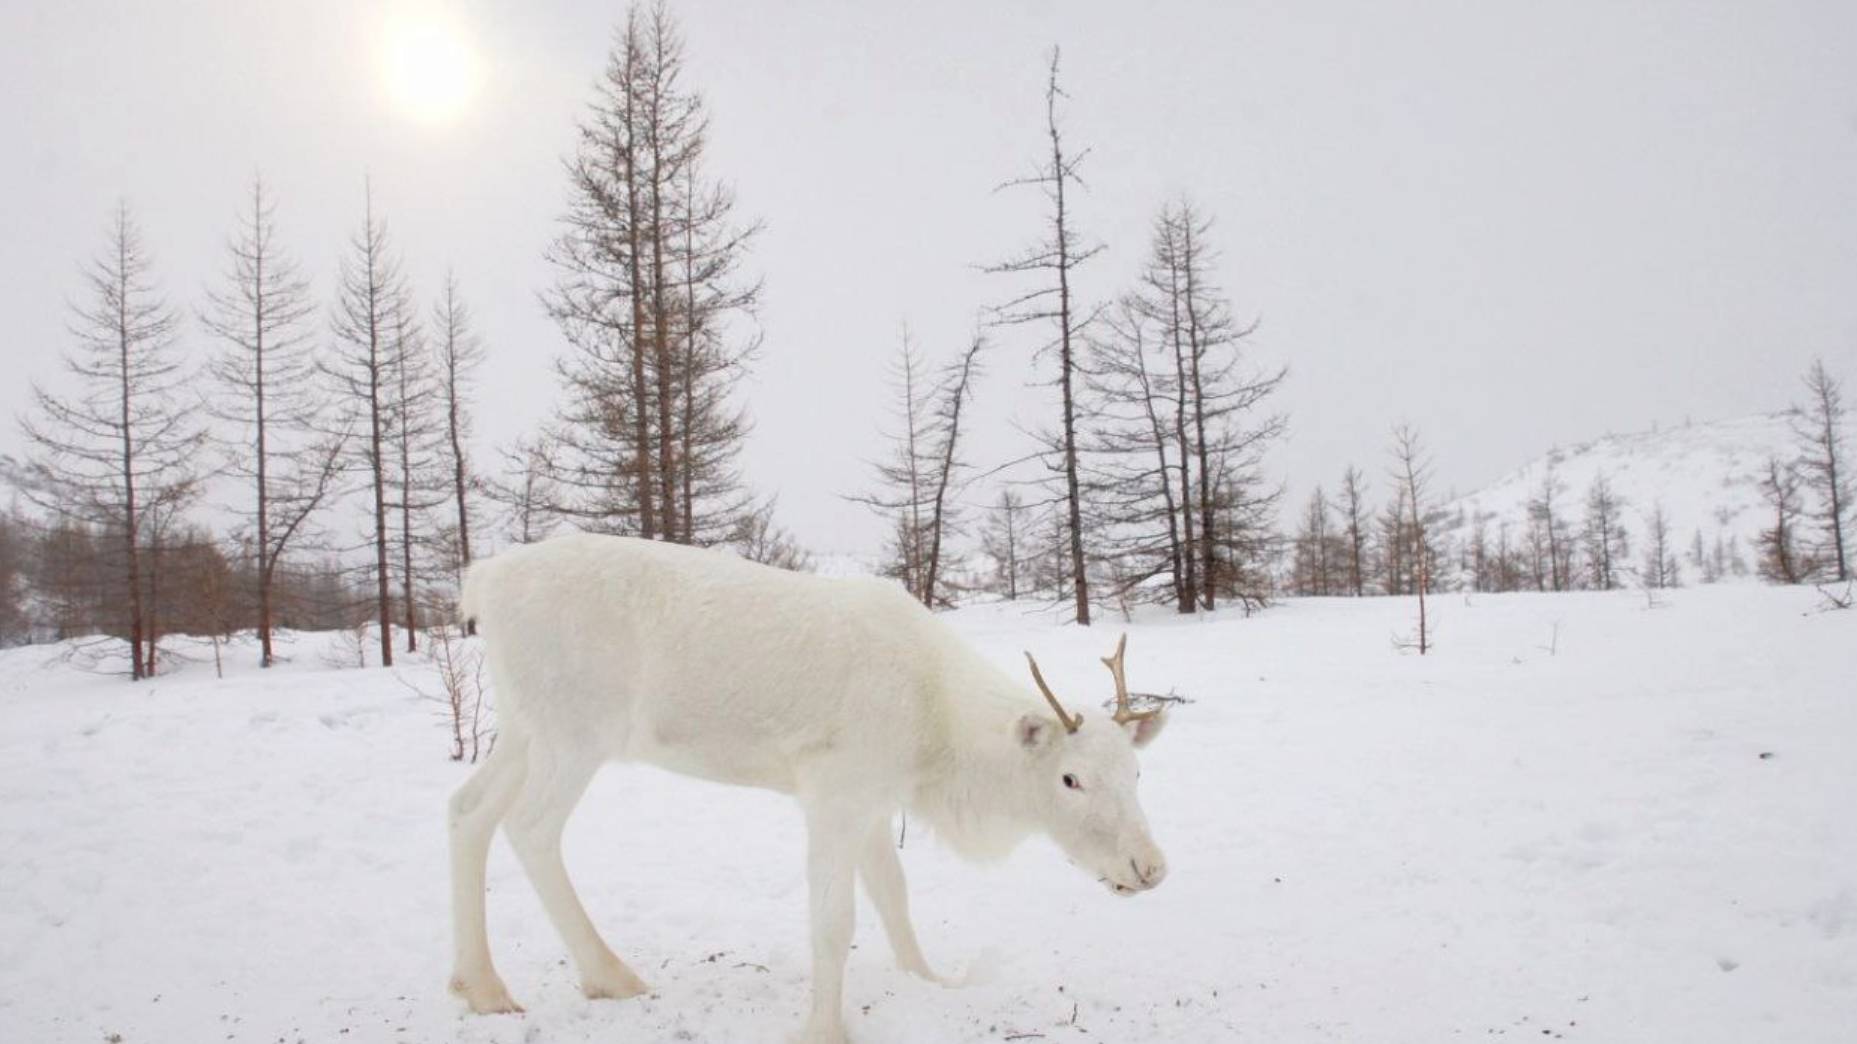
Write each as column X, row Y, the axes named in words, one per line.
column 430, row 68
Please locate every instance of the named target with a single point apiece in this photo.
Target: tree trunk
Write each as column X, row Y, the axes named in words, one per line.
column 377, row 443
column 130, row 520
column 1080, row 580
column 641, row 395
column 1208, row 552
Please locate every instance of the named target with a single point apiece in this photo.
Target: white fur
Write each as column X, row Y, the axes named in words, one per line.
column 846, row 694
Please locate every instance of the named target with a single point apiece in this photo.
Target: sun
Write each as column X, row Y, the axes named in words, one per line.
column 428, row 65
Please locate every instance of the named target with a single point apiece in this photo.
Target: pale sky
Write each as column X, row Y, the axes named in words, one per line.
column 1514, row 224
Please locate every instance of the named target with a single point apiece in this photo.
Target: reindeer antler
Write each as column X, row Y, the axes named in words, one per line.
column 1123, row 712
column 1071, row 722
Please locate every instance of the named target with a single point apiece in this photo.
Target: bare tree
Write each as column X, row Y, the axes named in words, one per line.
column 903, row 475
column 1353, row 505
column 525, row 490
column 460, row 668
column 1229, row 433
column 1394, row 564
column 124, row 444
column 1548, row 535
column 1661, row 569
column 1182, row 434
column 1312, row 572
column 758, row 539
column 1245, row 543
column 648, row 295
column 364, row 364
column 269, row 399
column 1138, row 444
column 955, row 388
column 1053, row 260
column 1412, row 470
column 416, row 480
column 916, row 480
column 1004, row 540
column 1819, row 424
column 459, row 354
column 1780, row 560
column 1607, row 544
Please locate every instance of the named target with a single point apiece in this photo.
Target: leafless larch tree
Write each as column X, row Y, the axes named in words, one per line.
column 1353, row 505
column 1412, row 471
column 418, row 471
column 1179, row 426
column 1780, row 560
column 1005, row 540
column 1142, row 522
column 916, row 481
column 122, row 447
column 459, row 352
column 1222, row 421
column 1819, row 424
column 269, row 400
column 1660, row 569
column 524, row 490
column 658, row 318
column 364, row 365
column 1052, row 262
column 1550, row 549
column 1608, row 546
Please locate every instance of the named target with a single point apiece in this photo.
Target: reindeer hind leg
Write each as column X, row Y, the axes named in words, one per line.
column 534, row 827
column 476, row 808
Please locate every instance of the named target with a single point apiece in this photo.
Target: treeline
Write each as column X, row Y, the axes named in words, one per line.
column 63, row 581
column 1345, row 546
column 315, row 413
column 1590, row 539
column 260, row 398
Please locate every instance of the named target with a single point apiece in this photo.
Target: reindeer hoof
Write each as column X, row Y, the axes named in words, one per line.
column 923, row 971
column 816, row 1033
column 486, row 996
column 616, row 982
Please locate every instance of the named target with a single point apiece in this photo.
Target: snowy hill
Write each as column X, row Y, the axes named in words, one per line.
column 1706, row 476
column 1641, row 836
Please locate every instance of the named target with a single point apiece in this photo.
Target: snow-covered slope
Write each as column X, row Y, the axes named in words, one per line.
column 1644, row 835
column 1704, row 475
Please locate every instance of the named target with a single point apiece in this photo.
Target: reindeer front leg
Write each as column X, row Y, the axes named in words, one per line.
column 882, row 872
column 832, row 842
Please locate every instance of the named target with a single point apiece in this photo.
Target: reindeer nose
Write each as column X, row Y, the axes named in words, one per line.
column 1152, row 873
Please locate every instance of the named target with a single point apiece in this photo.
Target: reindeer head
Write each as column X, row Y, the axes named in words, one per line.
column 1082, row 780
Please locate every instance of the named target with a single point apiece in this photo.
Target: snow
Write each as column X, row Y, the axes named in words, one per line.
column 1644, row 834
column 1706, row 475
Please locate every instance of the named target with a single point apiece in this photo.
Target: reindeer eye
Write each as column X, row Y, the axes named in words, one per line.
column 1071, row 782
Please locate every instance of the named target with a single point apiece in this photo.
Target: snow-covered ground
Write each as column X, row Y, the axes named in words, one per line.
column 1647, row 834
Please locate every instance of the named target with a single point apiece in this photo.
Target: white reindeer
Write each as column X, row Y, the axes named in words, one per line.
column 846, row 694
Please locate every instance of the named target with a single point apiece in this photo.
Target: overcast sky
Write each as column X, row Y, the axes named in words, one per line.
column 1514, row 224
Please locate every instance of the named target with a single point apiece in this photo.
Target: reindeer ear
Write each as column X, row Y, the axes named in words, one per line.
column 1142, row 731
column 1036, row 731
